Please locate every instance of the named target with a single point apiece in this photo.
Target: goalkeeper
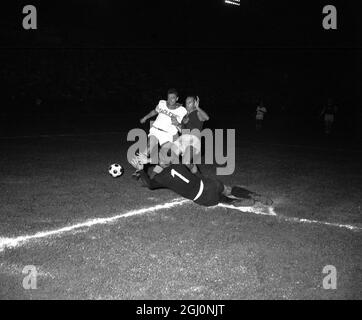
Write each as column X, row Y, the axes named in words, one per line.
column 203, row 191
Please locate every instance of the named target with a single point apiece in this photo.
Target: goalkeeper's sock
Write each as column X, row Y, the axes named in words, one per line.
column 244, row 193
column 237, row 202
column 241, row 192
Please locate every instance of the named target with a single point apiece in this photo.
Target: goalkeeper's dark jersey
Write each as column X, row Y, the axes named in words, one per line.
column 178, row 178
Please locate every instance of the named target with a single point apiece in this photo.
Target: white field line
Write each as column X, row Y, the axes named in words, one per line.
column 20, row 240
column 271, row 212
column 326, row 223
column 255, row 210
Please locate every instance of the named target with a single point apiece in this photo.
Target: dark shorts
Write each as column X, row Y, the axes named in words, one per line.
column 212, row 192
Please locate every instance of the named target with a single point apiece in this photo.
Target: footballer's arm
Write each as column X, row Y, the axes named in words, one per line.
column 175, row 122
column 149, row 115
column 201, row 114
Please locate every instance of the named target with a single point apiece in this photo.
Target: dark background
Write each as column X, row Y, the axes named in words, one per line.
column 103, row 64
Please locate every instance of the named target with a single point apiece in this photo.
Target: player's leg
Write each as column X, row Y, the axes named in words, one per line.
column 238, row 199
column 189, row 147
column 167, row 154
column 326, row 129
column 195, row 152
column 153, row 144
column 331, row 121
column 258, row 124
column 150, row 152
column 166, row 157
column 216, row 192
column 156, row 138
column 241, row 192
column 189, row 160
column 328, row 123
column 165, row 141
column 138, row 162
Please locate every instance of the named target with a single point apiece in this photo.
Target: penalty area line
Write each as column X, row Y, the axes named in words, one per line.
column 21, row 240
column 326, row 223
column 270, row 212
column 255, row 210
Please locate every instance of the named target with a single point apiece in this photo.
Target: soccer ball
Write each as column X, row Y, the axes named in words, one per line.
column 115, row 170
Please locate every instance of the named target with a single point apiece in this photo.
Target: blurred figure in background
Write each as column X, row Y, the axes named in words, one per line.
column 329, row 113
column 260, row 112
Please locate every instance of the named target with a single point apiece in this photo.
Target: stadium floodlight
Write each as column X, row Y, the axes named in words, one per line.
column 234, row 2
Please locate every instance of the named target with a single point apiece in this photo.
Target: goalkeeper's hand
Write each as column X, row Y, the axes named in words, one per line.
column 136, row 164
column 139, row 161
column 142, row 158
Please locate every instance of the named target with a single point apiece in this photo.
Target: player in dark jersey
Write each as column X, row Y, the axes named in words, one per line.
column 193, row 122
column 201, row 190
column 195, row 117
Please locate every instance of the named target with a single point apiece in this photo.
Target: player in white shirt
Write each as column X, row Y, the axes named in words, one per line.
column 169, row 115
column 260, row 111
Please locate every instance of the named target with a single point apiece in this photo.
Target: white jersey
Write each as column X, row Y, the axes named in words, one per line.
column 260, row 112
column 163, row 120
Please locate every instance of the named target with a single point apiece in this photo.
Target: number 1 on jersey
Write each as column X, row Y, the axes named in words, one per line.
column 174, row 172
